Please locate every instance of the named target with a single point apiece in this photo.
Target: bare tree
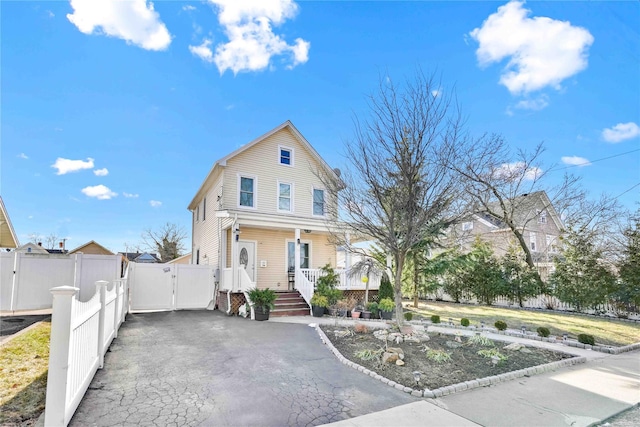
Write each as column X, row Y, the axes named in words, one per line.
column 51, row 240
column 167, row 241
column 35, row 237
column 397, row 189
column 498, row 181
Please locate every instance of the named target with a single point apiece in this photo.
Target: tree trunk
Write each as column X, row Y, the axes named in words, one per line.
column 397, row 289
column 415, row 282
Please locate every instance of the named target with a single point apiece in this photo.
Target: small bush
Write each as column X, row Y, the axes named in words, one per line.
column 543, row 332
column 435, row 319
column 586, row 339
column 408, row 316
column 386, row 304
column 360, row 328
column 386, row 289
column 493, row 353
column 464, row 321
column 367, row 354
column 480, row 340
column 438, row 356
column 500, row 325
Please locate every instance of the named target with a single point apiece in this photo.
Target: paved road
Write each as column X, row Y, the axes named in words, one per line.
column 203, row 368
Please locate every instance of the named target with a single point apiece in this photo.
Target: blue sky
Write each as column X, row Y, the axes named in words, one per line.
column 112, row 113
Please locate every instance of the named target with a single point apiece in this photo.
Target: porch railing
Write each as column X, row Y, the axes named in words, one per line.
column 304, row 286
column 227, row 280
column 346, row 282
column 245, row 280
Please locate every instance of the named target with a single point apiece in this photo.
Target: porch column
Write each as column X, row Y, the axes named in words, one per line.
column 234, row 257
column 296, row 261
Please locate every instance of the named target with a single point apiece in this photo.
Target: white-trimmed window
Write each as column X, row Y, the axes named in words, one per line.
column 204, row 209
column 318, row 202
column 467, row 226
column 542, row 217
column 305, row 254
column 551, row 244
column 285, row 197
column 532, row 241
column 285, row 155
column 247, row 191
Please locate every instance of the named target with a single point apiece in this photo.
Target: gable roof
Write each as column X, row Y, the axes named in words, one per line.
column 31, row 247
column 542, row 195
column 8, row 238
column 223, row 161
column 79, row 248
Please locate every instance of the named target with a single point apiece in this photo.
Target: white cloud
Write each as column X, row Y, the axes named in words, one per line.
column 435, row 93
column 620, row 132
column 575, row 161
column 100, row 192
column 513, row 171
column 535, row 104
column 203, row 51
column 101, row 172
column 67, row 165
column 130, row 195
column 252, row 42
column 542, row 51
column 22, row 156
column 135, row 21
column 188, row 8
column 155, row 203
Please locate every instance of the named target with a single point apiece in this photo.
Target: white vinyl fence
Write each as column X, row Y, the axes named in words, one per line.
column 170, row 286
column 26, row 279
column 81, row 333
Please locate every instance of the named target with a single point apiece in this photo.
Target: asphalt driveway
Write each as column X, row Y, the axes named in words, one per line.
column 203, row 368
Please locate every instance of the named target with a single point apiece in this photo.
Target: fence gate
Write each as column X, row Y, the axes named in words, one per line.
column 170, row 286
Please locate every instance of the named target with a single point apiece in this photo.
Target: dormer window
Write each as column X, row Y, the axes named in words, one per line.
column 285, row 156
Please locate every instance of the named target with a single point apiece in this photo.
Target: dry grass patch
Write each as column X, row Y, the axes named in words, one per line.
column 606, row 331
column 23, row 376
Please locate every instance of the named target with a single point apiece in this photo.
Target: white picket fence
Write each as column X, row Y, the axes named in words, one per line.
column 81, row 333
column 26, row 279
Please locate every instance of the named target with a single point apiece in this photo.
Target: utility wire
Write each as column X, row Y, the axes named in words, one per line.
column 594, row 161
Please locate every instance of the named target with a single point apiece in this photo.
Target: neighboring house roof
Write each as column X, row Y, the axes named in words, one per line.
column 140, row 256
column 32, row 248
column 92, row 247
column 8, row 238
column 57, row 251
column 223, row 161
column 184, row 259
column 520, row 203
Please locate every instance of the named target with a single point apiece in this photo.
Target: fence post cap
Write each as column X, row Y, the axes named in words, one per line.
column 64, row 290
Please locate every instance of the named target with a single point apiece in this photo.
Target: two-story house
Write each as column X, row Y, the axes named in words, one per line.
column 534, row 216
column 262, row 217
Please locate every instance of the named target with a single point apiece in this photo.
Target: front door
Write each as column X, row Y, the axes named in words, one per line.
column 247, row 257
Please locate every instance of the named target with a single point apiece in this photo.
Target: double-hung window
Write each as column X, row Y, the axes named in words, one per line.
column 542, row 217
column 247, row 192
column 285, row 156
column 204, row 209
column 285, row 196
column 318, row 202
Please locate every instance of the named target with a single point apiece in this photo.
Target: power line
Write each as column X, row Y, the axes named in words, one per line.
column 594, row 161
column 626, row 191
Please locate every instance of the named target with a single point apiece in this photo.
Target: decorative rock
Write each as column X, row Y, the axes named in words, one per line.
column 525, row 350
column 381, row 334
column 412, row 339
column 514, row 346
column 395, row 336
column 423, row 338
column 399, row 362
column 458, row 339
column 396, row 350
column 390, row 357
column 453, row 344
column 406, row 330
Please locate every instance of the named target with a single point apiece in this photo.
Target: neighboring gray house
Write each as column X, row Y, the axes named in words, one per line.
column 535, row 217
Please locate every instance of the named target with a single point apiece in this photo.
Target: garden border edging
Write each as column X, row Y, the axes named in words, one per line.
column 454, row 388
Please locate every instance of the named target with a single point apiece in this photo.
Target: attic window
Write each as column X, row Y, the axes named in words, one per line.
column 467, row 226
column 286, row 156
column 542, row 217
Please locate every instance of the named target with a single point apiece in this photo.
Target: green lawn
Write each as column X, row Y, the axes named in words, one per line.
column 605, row 331
column 23, row 375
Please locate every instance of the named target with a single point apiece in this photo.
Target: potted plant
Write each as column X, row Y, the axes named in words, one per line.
column 372, row 307
column 386, row 307
column 326, row 286
column 318, row 304
column 262, row 300
column 343, row 306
